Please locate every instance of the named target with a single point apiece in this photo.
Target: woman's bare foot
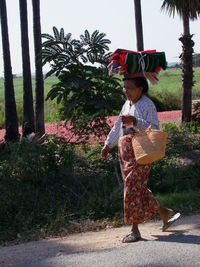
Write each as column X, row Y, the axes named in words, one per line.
column 134, row 236
column 165, row 214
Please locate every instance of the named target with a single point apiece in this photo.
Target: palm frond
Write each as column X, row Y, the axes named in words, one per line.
column 181, row 7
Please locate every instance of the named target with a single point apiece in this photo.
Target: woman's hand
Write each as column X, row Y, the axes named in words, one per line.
column 128, row 120
column 104, row 151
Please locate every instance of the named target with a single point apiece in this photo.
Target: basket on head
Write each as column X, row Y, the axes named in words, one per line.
column 149, row 145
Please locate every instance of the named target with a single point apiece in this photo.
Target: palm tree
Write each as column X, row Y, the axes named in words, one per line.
column 138, row 25
column 39, row 90
column 11, row 120
column 28, row 111
column 186, row 9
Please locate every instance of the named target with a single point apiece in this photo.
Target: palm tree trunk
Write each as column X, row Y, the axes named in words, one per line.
column 11, row 120
column 39, row 90
column 138, row 25
column 28, row 111
column 187, row 69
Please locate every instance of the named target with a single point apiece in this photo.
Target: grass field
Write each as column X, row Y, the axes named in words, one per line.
column 168, row 90
column 51, row 108
column 171, row 81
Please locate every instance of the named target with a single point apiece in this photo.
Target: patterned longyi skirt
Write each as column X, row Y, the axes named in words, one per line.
column 139, row 203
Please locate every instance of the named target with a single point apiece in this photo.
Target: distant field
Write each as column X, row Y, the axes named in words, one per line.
column 51, row 108
column 171, row 80
column 169, row 86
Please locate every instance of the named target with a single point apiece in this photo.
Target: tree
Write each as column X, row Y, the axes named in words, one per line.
column 28, row 111
column 138, row 25
column 60, row 50
column 85, row 90
column 11, row 120
column 39, row 90
column 186, row 9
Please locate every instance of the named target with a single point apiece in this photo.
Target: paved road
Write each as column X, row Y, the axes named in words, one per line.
column 179, row 246
column 176, row 250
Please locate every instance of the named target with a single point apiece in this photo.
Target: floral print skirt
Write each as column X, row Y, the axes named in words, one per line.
column 139, row 202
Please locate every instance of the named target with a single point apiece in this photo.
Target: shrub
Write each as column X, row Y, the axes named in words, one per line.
column 45, row 186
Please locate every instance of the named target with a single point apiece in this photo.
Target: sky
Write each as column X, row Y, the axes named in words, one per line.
column 113, row 17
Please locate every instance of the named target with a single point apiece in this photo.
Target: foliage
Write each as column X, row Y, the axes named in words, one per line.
column 86, row 92
column 170, row 82
column 61, row 50
column 166, row 101
column 43, row 187
column 174, row 173
column 86, row 100
column 188, row 10
column 46, row 187
column 196, row 60
column 181, row 6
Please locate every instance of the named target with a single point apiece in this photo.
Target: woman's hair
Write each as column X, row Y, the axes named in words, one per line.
column 139, row 82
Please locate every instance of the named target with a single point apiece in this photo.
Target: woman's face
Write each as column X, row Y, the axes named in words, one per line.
column 132, row 92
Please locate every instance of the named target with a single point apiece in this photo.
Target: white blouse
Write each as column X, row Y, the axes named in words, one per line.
column 145, row 112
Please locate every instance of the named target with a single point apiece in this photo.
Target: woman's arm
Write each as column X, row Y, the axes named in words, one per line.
column 113, row 135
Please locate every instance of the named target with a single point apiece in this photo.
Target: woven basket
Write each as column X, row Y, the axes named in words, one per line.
column 149, row 145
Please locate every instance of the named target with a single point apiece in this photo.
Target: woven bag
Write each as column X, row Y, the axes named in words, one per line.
column 149, row 145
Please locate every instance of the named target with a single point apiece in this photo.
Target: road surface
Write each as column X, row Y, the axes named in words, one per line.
column 179, row 246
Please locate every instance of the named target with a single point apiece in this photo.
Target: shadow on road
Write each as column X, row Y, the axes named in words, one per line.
column 179, row 237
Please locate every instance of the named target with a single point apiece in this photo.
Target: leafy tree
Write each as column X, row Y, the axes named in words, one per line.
column 28, row 111
column 87, row 93
column 186, row 9
column 39, row 90
column 11, row 120
column 61, row 50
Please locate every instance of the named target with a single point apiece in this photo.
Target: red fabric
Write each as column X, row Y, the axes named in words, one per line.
column 120, row 56
column 139, row 203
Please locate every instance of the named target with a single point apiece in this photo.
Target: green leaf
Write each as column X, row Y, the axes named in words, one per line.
column 62, row 35
column 56, row 33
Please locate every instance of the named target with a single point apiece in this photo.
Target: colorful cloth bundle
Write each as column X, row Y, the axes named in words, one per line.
column 133, row 64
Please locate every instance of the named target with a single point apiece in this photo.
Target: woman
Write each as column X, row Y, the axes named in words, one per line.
column 138, row 112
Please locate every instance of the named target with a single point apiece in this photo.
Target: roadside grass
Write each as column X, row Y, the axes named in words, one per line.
column 185, row 202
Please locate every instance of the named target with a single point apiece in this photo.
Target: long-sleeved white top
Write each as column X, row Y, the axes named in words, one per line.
column 145, row 112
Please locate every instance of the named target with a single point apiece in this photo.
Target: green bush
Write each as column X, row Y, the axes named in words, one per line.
column 171, row 174
column 44, row 187
column 166, row 101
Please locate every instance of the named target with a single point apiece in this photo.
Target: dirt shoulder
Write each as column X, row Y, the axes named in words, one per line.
column 89, row 241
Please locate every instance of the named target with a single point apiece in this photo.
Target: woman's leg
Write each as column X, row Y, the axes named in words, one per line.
column 165, row 214
column 135, row 229
column 139, row 202
column 134, row 236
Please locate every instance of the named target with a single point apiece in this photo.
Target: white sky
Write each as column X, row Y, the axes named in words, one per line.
column 113, row 17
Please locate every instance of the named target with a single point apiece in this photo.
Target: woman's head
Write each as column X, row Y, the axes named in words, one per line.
column 134, row 88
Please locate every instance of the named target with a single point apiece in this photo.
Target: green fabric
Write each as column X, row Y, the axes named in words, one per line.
column 151, row 60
